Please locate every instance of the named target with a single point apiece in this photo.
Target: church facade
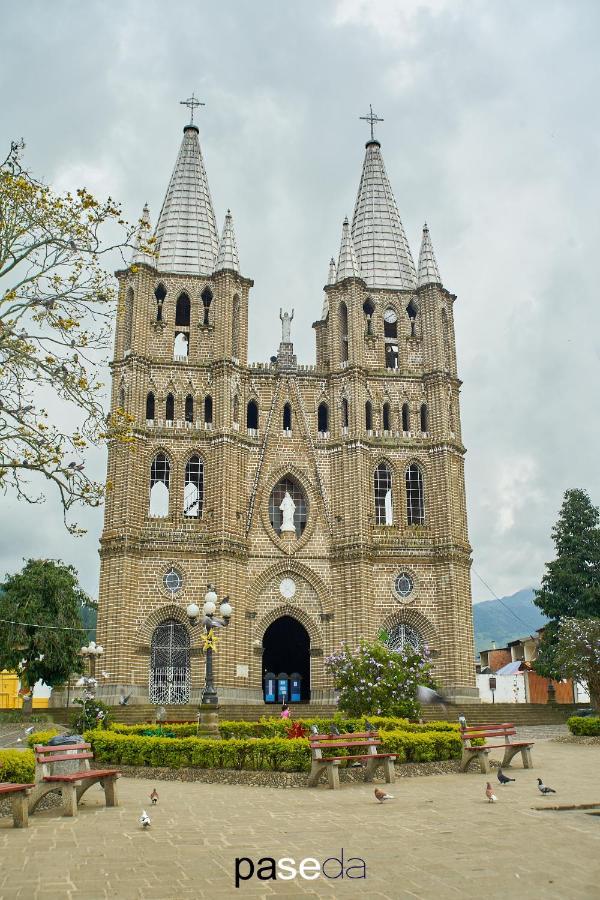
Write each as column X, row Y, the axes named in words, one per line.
column 326, row 501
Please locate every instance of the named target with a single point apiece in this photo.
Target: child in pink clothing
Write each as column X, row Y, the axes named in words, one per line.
column 285, row 711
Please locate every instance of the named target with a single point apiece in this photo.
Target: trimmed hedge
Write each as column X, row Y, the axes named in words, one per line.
column 42, row 737
column 431, row 746
column 589, row 726
column 17, row 766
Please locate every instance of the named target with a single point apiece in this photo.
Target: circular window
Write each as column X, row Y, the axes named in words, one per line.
column 403, row 637
column 403, row 584
column 287, row 506
column 287, row 588
column 173, row 580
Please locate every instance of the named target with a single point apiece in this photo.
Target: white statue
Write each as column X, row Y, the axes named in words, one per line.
column 286, row 326
column 288, row 508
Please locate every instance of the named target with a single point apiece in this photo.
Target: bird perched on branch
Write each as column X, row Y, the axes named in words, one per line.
column 543, row 789
column 145, row 819
column 489, row 793
column 382, row 796
column 504, row 779
column 154, row 797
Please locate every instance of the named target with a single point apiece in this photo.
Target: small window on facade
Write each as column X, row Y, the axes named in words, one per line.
column 252, row 416
column 159, row 486
column 405, row 417
column 189, row 408
column 323, row 418
column 208, row 409
column 182, row 311
column 170, row 408
column 235, row 328
column 160, row 293
column 193, row 488
column 150, row 407
column 391, row 355
column 386, row 417
column 206, row 298
column 446, row 337
column 412, row 312
column 236, row 409
column 128, row 323
column 345, row 413
column 424, row 418
column 368, row 310
column 390, row 323
column 343, row 320
column 122, row 398
column 369, row 415
column 415, row 498
column 382, row 484
column 287, row 417
column 181, row 345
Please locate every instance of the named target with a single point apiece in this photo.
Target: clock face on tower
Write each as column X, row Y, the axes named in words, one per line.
column 287, row 588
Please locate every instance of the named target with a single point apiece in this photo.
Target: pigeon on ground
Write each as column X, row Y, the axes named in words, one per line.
column 428, row 695
column 504, row 779
column 154, row 797
column 144, row 819
column 543, row 789
column 381, row 795
column 462, row 721
column 489, row 793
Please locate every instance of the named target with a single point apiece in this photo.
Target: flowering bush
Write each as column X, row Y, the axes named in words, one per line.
column 296, row 730
column 374, row 679
column 577, row 653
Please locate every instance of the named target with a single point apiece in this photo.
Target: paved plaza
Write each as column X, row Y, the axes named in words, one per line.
column 438, row 839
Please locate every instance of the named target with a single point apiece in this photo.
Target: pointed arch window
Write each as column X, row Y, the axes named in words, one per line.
column 404, row 637
column 323, row 418
column 159, row 487
column 287, row 417
column 160, row 293
column 207, row 298
column 343, row 323
column 236, row 409
column 208, row 410
column 345, row 413
column 387, row 417
column 122, row 398
column 150, row 407
column 412, row 312
column 405, row 417
column 446, row 338
column 368, row 310
column 369, row 415
column 382, row 485
column 424, row 418
column 189, row 408
column 252, row 415
column 415, row 495
column 193, row 488
column 128, row 323
column 235, row 328
column 170, row 408
column 182, row 311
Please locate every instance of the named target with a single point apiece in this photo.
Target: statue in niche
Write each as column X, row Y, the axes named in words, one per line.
column 286, row 327
column 288, row 508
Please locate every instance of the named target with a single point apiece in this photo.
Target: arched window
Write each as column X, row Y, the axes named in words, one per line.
column 128, row 323
column 208, row 409
column 415, row 497
column 181, row 345
column 287, row 417
column 390, row 323
column 404, row 637
column 288, row 485
column 193, row 488
column 189, row 408
column 369, row 415
column 345, row 413
column 170, row 408
column 235, row 328
column 368, row 310
column 323, row 418
column 160, row 293
column 122, row 398
column 382, row 484
column 206, row 297
column 182, row 311
column 343, row 321
column 236, row 408
column 159, row 487
column 424, row 418
column 387, row 417
column 252, row 415
column 170, row 663
column 412, row 312
column 446, row 338
column 150, row 407
column 405, row 417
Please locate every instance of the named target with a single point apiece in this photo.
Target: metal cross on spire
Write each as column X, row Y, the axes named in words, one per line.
column 372, row 118
column 191, row 103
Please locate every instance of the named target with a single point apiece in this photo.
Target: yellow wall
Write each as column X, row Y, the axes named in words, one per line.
column 9, row 693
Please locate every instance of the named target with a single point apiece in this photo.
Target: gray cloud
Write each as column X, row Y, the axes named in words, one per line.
column 491, row 135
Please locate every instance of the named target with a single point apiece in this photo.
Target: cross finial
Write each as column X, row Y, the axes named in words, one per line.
column 372, row 118
column 191, row 103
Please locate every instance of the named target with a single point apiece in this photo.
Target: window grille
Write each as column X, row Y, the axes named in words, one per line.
column 383, row 495
column 170, row 664
column 159, row 486
column 404, row 637
column 193, row 489
column 415, row 498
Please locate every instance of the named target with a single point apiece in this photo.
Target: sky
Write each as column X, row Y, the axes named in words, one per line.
column 491, row 135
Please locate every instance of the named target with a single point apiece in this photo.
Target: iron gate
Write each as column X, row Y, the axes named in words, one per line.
column 170, row 664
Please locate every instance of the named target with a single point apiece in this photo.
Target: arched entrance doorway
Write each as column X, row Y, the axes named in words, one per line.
column 170, row 663
column 287, row 649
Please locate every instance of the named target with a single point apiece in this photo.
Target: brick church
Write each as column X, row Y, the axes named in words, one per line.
column 327, row 501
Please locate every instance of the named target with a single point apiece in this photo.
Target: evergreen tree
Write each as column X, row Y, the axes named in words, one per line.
column 44, row 593
column 571, row 585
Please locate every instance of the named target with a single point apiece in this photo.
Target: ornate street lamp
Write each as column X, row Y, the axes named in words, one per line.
column 89, row 682
column 211, row 624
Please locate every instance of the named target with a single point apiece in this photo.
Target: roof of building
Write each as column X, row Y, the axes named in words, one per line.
column 378, row 236
column 347, row 266
column 228, row 254
column 186, row 233
column 512, row 668
column 428, row 272
column 143, row 235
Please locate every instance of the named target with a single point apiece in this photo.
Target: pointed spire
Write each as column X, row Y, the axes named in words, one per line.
column 186, row 234
column 143, row 235
column 381, row 247
column 347, row 266
column 228, row 254
column 428, row 270
column 332, row 277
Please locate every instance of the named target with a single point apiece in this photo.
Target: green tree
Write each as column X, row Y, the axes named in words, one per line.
column 577, row 653
column 571, row 585
column 44, row 593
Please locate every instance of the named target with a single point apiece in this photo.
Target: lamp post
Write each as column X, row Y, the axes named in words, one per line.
column 211, row 623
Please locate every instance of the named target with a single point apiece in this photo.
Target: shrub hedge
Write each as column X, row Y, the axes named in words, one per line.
column 17, row 766
column 42, row 737
column 584, row 725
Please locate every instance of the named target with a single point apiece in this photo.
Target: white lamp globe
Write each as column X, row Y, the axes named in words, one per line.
column 92, row 645
column 84, row 651
column 193, row 611
column 209, row 607
column 226, row 609
column 210, row 595
column 99, row 649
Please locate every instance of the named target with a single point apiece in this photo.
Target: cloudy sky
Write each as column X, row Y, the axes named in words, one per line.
column 491, row 135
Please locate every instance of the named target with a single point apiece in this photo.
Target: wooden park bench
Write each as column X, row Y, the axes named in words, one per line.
column 506, row 730
column 331, row 744
column 71, row 784
column 19, row 794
